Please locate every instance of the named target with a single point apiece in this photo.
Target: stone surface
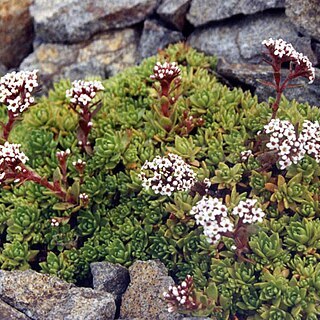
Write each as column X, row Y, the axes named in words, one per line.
column 155, row 37
column 317, row 52
column 204, row 11
column 3, row 70
column 247, row 76
column 9, row 313
column 144, row 296
column 72, row 21
column 241, row 41
column 104, row 56
column 110, row 277
column 174, row 12
column 305, row 15
column 43, row 297
column 16, row 34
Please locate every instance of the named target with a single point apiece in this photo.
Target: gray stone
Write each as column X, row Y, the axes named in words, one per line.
column 174, row 12
column 155, row 37
column 16, row 34
column 3, row 70
column 105, row 54
column 248, row 76
column 144, row 297
column 9, row 313
column 204, row 11
column 240, row 41
column 110, row 277
column 72, row 21
column 305, row 15
column 44, row 297
column 317, row 52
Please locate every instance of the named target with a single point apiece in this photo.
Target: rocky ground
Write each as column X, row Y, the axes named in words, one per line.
column 75, row 39
column 117, row 292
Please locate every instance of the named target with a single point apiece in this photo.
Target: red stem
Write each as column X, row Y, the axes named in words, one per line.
column 9, row 125
column 28, row 175
column 165, row 86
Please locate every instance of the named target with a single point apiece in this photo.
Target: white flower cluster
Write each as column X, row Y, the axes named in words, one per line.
column 164, row 175
column 83, row 196
column 10, row 160
column 180, row 295
column 244, row 155
column 63, row 154
column 16, row 90
column 310, row 138
column 213, row 216
column 82, row 92
column 10, row 153
column 54, row 222
column 290, row 147
column 247, row 211
column 166, row 71
column 286, row 52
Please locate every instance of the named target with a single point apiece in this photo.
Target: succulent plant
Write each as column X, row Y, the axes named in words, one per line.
column 265, row 261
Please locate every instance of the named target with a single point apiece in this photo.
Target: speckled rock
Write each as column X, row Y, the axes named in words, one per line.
column 240, row 41
column 43, row 297
column 16, row 33
column 104, row 55
column 9, row 313
column 144, row 296
column 155, row 36
column 174, row 12
column 248, row 76
column 71, row 21
column 204, row 11
column 3, row 70
column 305, row 15
column 110, row 277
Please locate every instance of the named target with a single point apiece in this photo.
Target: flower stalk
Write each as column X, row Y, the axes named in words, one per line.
column 81, row 95
column 280, row 52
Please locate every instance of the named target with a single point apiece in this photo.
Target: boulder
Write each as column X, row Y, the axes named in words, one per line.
column 204, row 11
column 104, row 55
column 154, row 37
column 240, row 40
column 16, row 34
column 144, row 296
column 305, row 15
column 247, row 76
column 44, row 297
column 3, row 70
column 72, row 21
column 9, row 313
column 174, row 12
column 110, row 277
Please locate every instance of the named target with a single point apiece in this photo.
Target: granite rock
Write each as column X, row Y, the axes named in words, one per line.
column 110, row 277
column 305, row 15
column 9, row 313
column 174, row 12
column 240, row 41
column 144, row 297
column 104, row 55
column 317, row 52
column 154, row 37
column 16, row 34
column 72, row 21
column 44, row 297
column 247, row 76
column 204, row 11
column 3, row 70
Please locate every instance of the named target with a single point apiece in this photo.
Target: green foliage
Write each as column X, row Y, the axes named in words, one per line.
column 280, row 278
